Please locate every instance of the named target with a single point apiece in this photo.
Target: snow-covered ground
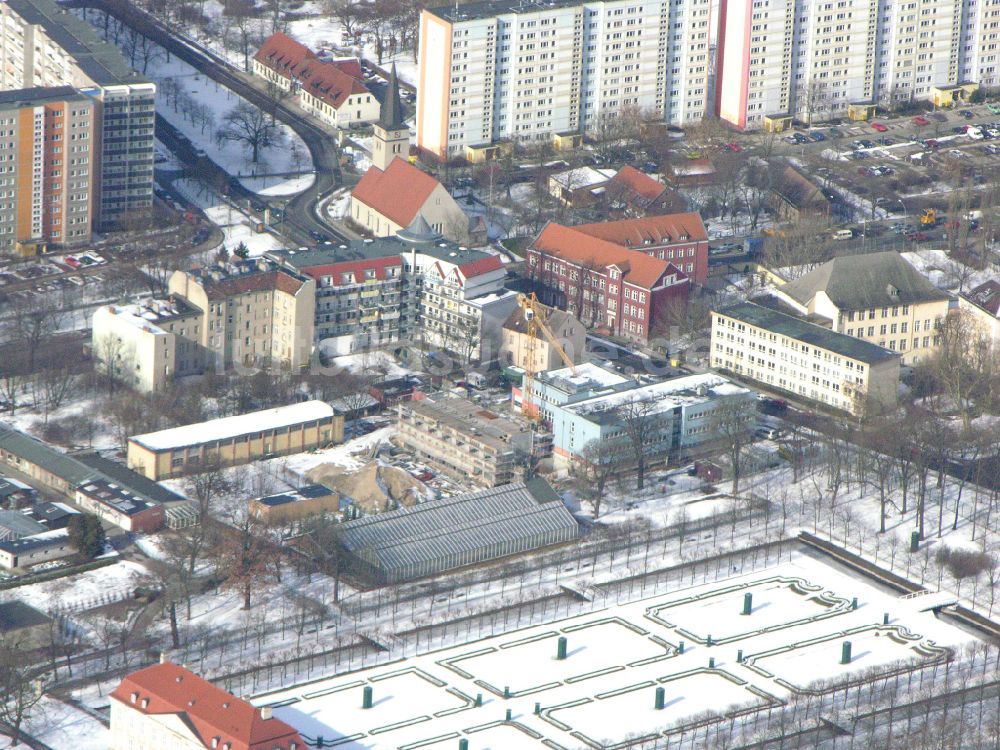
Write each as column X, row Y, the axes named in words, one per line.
column 63, row 727
column 615, row 657
column 319, row 32
column 236, row 225
column 83, row 591
column 199, row 110
column 369, row 363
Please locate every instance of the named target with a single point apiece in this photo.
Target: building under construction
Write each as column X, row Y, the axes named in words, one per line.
column 453, row 532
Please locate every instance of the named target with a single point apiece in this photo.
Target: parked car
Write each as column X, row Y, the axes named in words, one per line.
column 733, row 147
column 916, row 237
column 72, row 262
column 879, row 127
column 994, row 108
column 960, row 129
column 968, row 114
column 921, row 121
column 975, row 134
column 817, row 137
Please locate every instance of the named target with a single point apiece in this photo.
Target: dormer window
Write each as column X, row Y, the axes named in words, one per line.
column 893, row 291
column 135, row 697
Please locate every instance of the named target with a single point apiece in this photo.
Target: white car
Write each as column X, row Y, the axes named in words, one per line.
column 975, row 134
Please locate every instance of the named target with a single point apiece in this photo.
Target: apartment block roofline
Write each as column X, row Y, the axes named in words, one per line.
column 97, row 58
column 41, row 94
column 480, row 10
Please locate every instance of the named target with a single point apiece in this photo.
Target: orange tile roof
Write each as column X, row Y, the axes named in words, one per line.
column 571, row 244
column 209, row 711
column 331, row 82
column 659, row 230
column 398, row 193
column 639, row 183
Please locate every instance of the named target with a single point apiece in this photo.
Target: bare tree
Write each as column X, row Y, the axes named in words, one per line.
column 600, row 461
column 732, row 423
column 21, row 686
column 249, row 126
column 245, row 556
column 637, row 417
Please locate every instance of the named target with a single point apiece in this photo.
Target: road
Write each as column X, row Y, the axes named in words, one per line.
column 299, row 213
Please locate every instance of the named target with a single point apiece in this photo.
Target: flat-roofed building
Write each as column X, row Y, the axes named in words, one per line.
column 108, row 164
column 302, row 502
column 804, row 359
column 512, row 71
column 464, row 440
column 231, row 441
column 147, row 344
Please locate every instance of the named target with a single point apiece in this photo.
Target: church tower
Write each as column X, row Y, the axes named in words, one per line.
column 392, row 136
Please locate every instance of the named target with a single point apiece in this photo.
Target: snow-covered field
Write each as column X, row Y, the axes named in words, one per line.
column 615, row 658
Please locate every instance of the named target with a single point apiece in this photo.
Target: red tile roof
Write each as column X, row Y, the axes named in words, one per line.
column 658, row 230
column 639, row 183
column 569, row 243
column 356, row 267
column 483, row 265
column 331, row 82
column 209, row 711
column 398, row 193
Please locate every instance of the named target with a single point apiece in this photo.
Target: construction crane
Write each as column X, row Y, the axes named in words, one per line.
column 536, row 322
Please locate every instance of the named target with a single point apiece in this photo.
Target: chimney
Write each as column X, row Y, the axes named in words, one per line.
column 163, row 657
column 266, row 713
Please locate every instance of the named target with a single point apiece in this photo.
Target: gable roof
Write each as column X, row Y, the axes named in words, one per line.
column 330, row 81
column 554, row 319
column 398, row 193
column 863, row 281
column 209, row 712
column 571, row 244
column 658, row 230
column 799, row 191
column 639, row 183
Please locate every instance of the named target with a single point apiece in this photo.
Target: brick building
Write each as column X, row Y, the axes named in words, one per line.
column 607, row 286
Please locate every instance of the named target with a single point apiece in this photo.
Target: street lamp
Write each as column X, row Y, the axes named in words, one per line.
column 903, row 206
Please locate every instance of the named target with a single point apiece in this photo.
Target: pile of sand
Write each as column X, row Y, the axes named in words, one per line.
column 374, row 487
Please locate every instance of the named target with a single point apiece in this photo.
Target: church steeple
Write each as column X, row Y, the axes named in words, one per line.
column 392, row 134
column 391, row 114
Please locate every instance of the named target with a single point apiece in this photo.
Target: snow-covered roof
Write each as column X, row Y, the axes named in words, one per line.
column 587, row 373
column 148, row 313
column 231, row 427
column 667, row 394
column 582, row 177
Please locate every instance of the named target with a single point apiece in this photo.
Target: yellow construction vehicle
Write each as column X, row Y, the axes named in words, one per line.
column 536, row 321
column 928, row 218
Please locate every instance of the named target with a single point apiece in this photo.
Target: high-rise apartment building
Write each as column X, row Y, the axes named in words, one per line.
column 810, row 59
column 46, row 47
column 45, row 188
column 523, row 71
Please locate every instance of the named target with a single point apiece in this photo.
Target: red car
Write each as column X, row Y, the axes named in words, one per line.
column 72, row 262
column 734, row 147
column 921, row 121
column 916, row 237
column 879, row 127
